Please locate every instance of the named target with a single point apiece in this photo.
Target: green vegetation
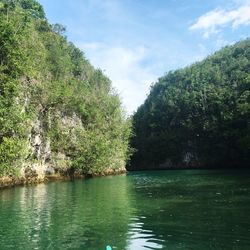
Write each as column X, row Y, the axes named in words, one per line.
column 198, row 116
column 46, row 80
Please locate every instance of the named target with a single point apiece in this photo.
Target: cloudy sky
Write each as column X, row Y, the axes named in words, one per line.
column 136, row 41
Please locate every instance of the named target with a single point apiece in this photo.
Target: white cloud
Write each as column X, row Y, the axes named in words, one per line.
column 124, row 66
column 221, row 42
column 211, row 22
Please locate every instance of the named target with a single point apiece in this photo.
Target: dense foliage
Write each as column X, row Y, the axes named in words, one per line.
column 198, row 116
column 46, row 79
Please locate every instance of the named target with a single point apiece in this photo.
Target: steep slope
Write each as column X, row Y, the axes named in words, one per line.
column 198, row 116
column 57, row 113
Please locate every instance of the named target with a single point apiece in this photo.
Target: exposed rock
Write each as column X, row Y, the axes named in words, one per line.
column 42, row 164
column 70, row 121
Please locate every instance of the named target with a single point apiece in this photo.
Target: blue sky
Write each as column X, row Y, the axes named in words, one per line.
column 137, row 41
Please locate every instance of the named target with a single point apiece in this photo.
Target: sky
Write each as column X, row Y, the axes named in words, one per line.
column 135, row 42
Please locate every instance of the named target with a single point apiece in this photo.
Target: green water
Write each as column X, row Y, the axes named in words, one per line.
column 144, row 210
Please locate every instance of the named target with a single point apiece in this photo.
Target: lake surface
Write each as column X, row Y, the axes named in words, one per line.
column 184, row 209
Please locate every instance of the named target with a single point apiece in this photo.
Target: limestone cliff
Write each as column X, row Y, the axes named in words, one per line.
column 58, row 114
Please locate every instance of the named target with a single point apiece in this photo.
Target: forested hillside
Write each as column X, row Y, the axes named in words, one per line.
column 56, row 111
column 198, row 116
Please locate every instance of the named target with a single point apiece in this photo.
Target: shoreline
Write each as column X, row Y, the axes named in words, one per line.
column 189, row 168
column 14, row 181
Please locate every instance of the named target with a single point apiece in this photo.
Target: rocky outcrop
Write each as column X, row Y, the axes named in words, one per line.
column 38, row 143
column 44, row 165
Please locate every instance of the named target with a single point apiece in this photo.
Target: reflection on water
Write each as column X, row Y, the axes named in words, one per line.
column 146, row 210
column 137, row 237
column 88, row 214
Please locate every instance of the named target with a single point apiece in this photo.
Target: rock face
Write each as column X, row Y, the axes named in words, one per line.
column 39, row 144
column 42, row 163
column 39, row 160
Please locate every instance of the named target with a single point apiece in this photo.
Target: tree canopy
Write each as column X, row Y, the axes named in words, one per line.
column 198, row 116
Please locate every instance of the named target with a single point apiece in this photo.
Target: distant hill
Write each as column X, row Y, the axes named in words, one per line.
column 198, row 116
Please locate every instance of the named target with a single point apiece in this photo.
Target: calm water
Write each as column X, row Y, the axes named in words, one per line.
column 144, row 210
